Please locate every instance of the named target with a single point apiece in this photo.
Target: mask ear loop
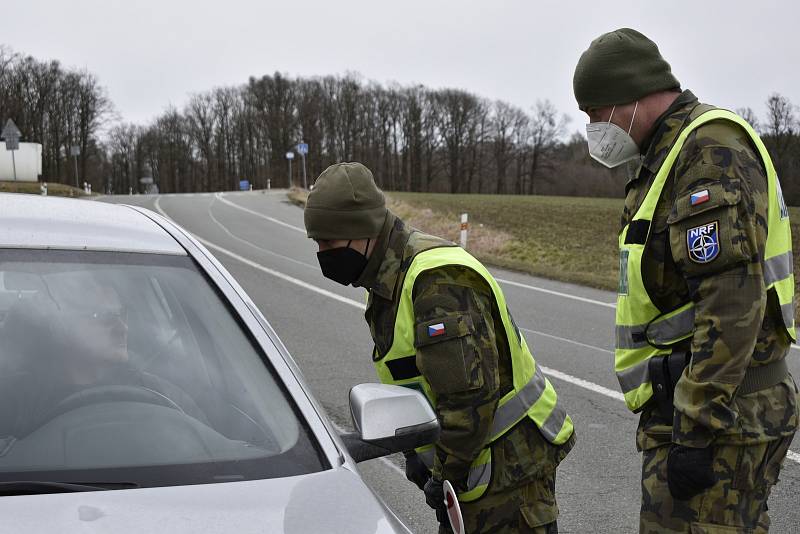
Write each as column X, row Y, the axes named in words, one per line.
column 612, row 114
column 635, row 107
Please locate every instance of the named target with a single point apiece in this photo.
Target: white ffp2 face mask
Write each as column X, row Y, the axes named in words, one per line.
column 609, row 144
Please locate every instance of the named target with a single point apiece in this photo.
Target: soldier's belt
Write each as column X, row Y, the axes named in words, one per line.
column 763, row 377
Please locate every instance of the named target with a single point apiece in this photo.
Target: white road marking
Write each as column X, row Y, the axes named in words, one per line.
column 282, row 276
column 591, row 386
column 273, row 272
column 257, row 214
column 253, row 245
column 565, row 340
column 558, row 293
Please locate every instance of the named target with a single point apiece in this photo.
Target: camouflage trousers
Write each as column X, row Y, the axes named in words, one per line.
column 531, row 509
column 737, row 503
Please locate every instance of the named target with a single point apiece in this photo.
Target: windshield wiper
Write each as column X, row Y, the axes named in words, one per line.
column 36, row 487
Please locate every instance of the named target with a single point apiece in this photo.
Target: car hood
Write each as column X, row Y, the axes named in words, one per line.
column 331, row 501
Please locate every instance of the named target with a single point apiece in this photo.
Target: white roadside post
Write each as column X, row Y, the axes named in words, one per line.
column 43, row 189
column 269, row 184
column 464, row 228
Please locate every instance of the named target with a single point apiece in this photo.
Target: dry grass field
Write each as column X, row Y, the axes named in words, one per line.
column 56, row 190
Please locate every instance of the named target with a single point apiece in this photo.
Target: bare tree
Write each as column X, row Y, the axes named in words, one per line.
column 748, row 115
column 508, row 122
column 458, row 111
column 546, row 128
column 780, row 129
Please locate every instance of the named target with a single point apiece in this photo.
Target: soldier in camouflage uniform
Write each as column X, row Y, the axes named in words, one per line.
column 346, row 212
column 712, row 455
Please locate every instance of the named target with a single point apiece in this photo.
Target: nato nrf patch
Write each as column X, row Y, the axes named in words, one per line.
column 702, row 242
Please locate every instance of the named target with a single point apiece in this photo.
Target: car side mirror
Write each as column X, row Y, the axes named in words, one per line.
column 388, row 419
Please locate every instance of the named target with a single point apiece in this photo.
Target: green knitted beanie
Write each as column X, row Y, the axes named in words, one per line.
column 620, row 67
column 345, row 203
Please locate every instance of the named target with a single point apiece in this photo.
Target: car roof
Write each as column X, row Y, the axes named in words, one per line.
column 36, row 222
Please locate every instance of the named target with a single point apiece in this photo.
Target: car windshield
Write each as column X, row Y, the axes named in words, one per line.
column 132, row 369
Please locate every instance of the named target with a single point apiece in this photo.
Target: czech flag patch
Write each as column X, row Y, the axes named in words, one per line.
column 436, row 330
column 699, row 197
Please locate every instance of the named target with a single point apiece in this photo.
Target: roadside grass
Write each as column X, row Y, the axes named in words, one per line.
column 570, row 239
column 32, row 188
column 297, row 196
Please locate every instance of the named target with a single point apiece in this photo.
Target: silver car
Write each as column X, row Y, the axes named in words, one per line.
column 141, row 390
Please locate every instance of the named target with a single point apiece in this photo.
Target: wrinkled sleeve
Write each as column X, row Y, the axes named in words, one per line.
column 716, row 244
column 457, row 354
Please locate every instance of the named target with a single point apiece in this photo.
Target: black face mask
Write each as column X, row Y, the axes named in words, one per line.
column 343, row 264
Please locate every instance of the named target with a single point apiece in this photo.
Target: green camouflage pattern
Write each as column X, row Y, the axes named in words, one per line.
column 469, row 370
column 736, row 325
column 530, row 509
column 737, row 503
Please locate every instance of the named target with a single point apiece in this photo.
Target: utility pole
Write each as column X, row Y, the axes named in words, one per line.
column 289, row 158
column 75, row 151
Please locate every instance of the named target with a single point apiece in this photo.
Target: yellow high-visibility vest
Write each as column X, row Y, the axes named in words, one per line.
column 533, row 395
column 642, row 330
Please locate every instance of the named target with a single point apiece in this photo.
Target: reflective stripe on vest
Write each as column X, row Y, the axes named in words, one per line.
column 480, row 472
column 533, row 395
column 642, row 330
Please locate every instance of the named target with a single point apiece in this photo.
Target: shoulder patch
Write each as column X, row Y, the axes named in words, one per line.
column 702, row 242
column 700, row 197
column 437, row 329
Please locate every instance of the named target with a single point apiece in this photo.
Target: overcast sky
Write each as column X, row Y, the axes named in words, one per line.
column 150, row 54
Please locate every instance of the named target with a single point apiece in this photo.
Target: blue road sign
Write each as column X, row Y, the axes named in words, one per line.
column 302, row 148
column 244, row 185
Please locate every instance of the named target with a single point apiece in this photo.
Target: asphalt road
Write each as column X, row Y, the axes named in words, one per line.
column 259, row 237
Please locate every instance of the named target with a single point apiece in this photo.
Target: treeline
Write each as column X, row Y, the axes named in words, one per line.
column 412, row 137
column 59, row 108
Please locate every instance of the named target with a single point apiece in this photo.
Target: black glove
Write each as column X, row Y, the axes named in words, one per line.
column 689, row 471
column 434, row 496
column 416, row 470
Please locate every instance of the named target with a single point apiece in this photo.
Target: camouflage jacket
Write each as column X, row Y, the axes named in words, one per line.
column 465, row 402
column 735, row 325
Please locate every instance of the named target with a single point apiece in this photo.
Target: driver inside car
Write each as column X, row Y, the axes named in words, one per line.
column 71, row 343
